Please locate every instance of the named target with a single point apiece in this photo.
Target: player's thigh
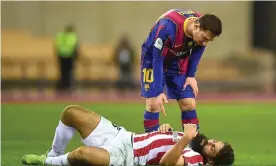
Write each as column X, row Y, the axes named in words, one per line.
column 87, row 156
column 120, row 148
column 104, row 132
column 186, row 100
column 81, row 119
column 175, row 89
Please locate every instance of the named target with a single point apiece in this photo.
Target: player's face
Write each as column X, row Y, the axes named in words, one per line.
column 208, row 148
column 202, row 37
column 212, row 148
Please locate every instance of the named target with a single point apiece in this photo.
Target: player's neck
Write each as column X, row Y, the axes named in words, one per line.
column 188, row 28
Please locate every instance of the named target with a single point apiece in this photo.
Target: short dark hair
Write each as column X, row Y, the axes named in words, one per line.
column 225, row 156
column 210, row 22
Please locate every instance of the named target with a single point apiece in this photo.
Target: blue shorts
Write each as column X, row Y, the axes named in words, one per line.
column 174, row 87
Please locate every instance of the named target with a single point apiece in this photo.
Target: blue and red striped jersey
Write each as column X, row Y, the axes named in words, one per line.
column 167, row 48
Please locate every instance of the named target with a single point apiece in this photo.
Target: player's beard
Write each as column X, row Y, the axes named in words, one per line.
column 199, row 142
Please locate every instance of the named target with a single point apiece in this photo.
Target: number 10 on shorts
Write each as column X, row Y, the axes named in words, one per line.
column 148, row 75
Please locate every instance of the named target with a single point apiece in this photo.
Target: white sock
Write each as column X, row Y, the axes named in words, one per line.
column 59, row 160
column 62, row 137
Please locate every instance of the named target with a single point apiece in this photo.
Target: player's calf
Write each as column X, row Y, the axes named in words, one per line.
column 72, row 118
column 151, row 115
column 188, row 111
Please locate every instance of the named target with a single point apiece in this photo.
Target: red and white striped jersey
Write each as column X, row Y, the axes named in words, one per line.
column 150, row 147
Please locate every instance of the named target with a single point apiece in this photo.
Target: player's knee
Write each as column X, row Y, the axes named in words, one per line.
column 70, row 110
column 188, row 105
column 80, row 152
column 77, row 156
column 74, row 157
column 69, row 113
column 153, row 107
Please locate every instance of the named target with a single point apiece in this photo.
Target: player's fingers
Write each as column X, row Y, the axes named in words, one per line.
column 194, row 90
column 189, row 125
column 165, row 100
column 185, row 85
column 161, row 129
column 163, row 108
column 167, row 127
column 184, row 125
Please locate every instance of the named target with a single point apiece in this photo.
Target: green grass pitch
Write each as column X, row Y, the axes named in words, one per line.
column 250, row 128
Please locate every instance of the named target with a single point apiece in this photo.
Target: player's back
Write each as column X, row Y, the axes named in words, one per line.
column 149, row 148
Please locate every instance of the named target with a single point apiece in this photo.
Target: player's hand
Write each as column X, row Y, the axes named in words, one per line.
column 161, row 99
column 193, row 83
column 190, row 130
column 165, row 128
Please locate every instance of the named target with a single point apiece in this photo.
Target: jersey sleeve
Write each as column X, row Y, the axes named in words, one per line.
column 192, row 158
column 194, row 60
column 163, row 39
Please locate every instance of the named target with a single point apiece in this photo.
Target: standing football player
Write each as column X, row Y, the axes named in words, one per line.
column 170, row 56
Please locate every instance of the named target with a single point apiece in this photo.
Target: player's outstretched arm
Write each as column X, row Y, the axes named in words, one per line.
column 193, row 63
column 173, row 156
column 158, row 58
column 194, row 60
column 162, row 40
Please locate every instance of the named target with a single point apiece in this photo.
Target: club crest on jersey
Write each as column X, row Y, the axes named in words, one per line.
column 175, row 137
column 158, row 43
column 147, row 87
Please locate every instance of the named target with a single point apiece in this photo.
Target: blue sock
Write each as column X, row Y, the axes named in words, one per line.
column 189, row 117
column 151, row 121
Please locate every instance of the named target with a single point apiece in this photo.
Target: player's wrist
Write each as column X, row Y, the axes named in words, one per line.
column 191, row 75
column 159, row 93
column 187, row 137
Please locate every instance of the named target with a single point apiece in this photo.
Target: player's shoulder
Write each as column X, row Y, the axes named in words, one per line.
column 188, row 13
column 169, row 25
column 167, row 22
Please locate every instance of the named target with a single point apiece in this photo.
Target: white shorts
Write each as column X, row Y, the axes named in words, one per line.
column 115, row 139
